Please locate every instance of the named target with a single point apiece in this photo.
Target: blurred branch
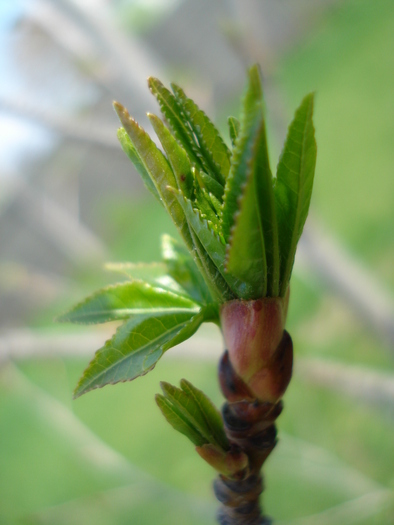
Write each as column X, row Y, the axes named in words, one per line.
column 127, row 57
column 90, row 133
column 71, row 38
column 25, row 344
column 87, row 445
column 89, row 448
column 70, row 236
column 321, row 255
column 361, row 384
column 351, row 512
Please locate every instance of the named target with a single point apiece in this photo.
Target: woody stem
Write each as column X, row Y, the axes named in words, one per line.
column 250, row 427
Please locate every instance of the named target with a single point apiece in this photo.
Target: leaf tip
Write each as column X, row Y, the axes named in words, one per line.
column 159, row 399
column 185, row 383
column 164, row 385
column 118, row 107
column 78, row 391
column 153, row 82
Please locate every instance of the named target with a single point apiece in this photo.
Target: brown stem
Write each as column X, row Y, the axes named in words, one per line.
column 250, row 426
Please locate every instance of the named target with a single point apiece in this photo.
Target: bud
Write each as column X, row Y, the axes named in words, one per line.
column 232, row 464
column 232, row 386
column 259, row 351
column 270, row 382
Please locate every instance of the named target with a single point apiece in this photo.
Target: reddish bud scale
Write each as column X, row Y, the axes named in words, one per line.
column 254, row 373
column 259, row 350
column 232, row 463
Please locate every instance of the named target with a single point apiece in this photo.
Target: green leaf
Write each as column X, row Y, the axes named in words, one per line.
column 293, row 186
column 253, row 249
column 216, row 204
column 189, row 409
column 233, row 126
column 210, row 413
column 155, row 274
column 246, row 253
column 251, row 122
column 178, row 421
column 149, row 272
column 131, row 152
column 175, row 118
column 210, row 184
column 213, row 149
column 133, row 351
column 246, row 249
column 189, row 329
column 204, row 205
column 120, row 301
column 218, row 287
column 180, row 163
column 158, row 168
column 182, row 268
column 211, row 242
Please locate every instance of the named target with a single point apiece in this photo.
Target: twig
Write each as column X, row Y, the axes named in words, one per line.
column 319, row 254
column 71, row 237
column 90, row 133
column 362, row 384
column 350, row 512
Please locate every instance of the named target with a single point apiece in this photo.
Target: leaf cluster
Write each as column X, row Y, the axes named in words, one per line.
column 240, row 226
column 240, row 223
column 192, row 413
column 160, row 304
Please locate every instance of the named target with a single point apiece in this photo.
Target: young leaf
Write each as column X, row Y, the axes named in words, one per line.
column 176, row 155
column 182, row 268
column 175, row 118
column 125, row 299
column 211, row 143
column 203, row 204
column 133, row 351
column 187, row 330
column 210, row 184
column 267, row 211
column 218, row 287
column 252, row 117
column 233, row 127
column 189, row 409
column 158, row 168
column 293, row 186
column 211, row 242
column 210, row 413
column 251, row 217
column 155, row 274
column 148, row 272
column 131, row 152
column 216, row 204
column 178, row 422
column 245, row 256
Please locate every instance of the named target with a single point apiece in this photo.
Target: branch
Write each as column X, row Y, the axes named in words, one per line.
column 97, row 134
column 70, row 237
column 320, row 254
column 361, row 384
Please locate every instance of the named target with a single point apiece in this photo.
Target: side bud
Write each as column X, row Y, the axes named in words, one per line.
column 232, row 464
